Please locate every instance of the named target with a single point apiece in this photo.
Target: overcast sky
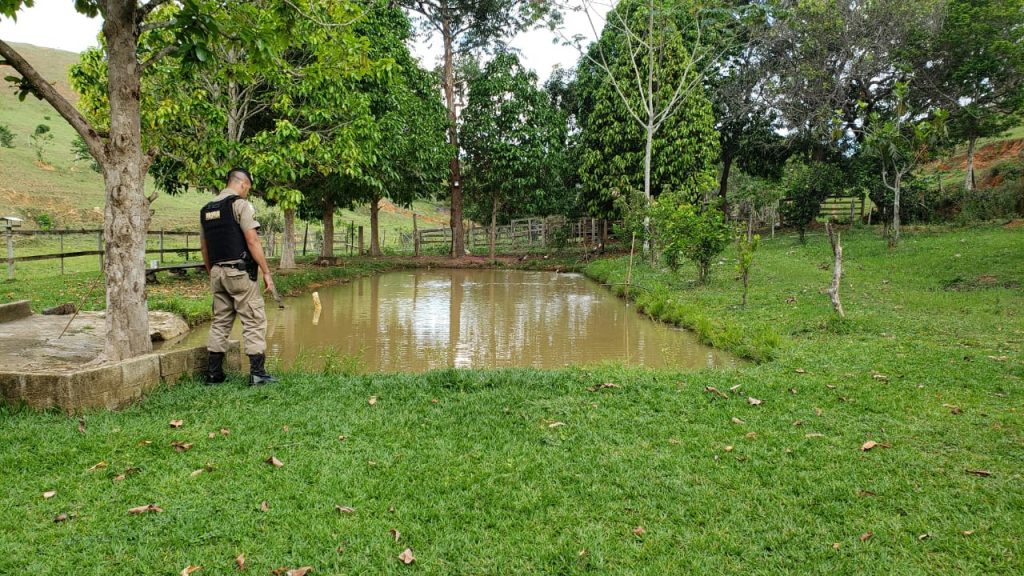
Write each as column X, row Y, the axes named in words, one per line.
column 55, row 24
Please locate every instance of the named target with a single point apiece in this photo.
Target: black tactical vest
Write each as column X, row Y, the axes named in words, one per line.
column 224, row 238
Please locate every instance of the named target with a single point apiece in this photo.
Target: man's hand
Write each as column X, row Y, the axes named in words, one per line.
column 269, row 284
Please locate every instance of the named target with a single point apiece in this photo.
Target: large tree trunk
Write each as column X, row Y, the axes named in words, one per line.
column 723, row 183
column 327, row 250
column 969, row 177
column 126, row 214
column 458, row 237
column 375, row 226
column 287, row 261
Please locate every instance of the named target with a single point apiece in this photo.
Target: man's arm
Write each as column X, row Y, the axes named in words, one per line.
column 206, row 253
column 252, row 241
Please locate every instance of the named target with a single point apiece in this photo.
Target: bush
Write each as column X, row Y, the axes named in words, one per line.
column 807, row 186
column 6, row 136
column 41, row 139
column 698, row 233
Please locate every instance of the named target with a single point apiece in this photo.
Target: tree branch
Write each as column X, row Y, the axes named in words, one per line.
column 59, row 103
column 155, row 26
column 160, row 55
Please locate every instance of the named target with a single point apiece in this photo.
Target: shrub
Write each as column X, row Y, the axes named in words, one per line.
column 41, row 139
column 697, row 233
column 807, row 187
column 6, row 136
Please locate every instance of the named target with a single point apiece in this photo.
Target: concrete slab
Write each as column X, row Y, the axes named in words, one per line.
column 51, row 362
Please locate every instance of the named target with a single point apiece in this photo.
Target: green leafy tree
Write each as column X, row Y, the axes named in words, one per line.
column 264, row 98
column 808, row 184
column 466, row 26
column 975, row 71
column 119, row 148
column 746, row 247
column 80, row 151
column 901, row 143
column 515, row 144
column 41, row 139
column 698, row 233
column 646, row 123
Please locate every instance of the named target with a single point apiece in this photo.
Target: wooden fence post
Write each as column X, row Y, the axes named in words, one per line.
column 161, row 245
column 99, row 247
column 305, row 238
column 415, row 237
column 10, row 250
column 360, row 240
column 61, row 236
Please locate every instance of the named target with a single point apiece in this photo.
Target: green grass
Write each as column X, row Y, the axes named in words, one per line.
column 474, row 471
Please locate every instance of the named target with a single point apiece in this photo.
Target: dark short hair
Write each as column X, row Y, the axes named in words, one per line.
column 234, row 172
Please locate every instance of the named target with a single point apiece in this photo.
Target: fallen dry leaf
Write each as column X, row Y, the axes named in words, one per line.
column 211, row 435
column 81, row 425
column 866, row 536
column 372, row 401
column 49, row 494
column 62, row 517
column 197, row 472
column 391, row 509
column 406, row 556
column 119, row 477
column 145, row 442
column 597, row 387
column 982, row 473
column 801, row 371
column 735, row 388
column 872, row 444
column 798, row 422
column 967, row 532
column 924, row 536
column 100, row 464
column 818, row 411
column 342, row 438
column 835, row 545
column 395, row 534
column 865, row 493
column 285, row 429
column 830, row 386
column 716, row 392
column 751, row 434
column 728, row 448
column 345, row 509
column 274, row 461
column 224, row 431
column 736, row 420
column 177, row 423
column 434, row 400
column 240, row 561
column 814, row 435
column 952, row 408
column 792, row 390
column 1000, row 358
column 264, row 506
column 299, row 571
column 639, row 531
column 673, row 441
column 190, row 569
column 145, row 508
column 556, row 424
column 879, row 377
column 181, row 446
column 753, row 401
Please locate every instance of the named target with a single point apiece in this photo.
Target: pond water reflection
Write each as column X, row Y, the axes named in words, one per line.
column 425, row 319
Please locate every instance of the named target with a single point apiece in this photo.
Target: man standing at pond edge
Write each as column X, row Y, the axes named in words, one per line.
column 232, row 253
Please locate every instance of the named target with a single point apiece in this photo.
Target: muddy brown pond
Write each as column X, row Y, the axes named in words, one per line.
column 420, row 320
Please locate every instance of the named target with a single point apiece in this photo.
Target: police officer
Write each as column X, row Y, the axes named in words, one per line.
column 232, row 253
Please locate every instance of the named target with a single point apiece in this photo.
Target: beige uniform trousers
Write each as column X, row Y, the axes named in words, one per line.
column 235, row 294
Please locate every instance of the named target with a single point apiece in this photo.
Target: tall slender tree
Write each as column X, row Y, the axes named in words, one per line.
column 465, row 26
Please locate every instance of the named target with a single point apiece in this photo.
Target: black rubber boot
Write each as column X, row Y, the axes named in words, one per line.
column 257, row 373
column 215, row 368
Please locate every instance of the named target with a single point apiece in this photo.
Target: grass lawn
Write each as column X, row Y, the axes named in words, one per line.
column 528, row 472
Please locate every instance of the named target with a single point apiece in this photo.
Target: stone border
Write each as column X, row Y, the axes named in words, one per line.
column 12, row 311
column 109, row 386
